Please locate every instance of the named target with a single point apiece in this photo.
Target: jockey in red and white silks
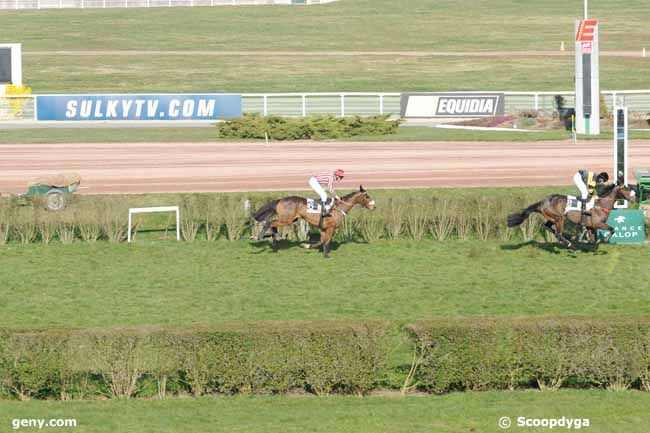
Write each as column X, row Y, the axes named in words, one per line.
column 325, row 179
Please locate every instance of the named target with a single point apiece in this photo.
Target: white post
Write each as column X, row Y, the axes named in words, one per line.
column 82, row 4
column 128, row 237
column 342, row 105
column 613, row 101
column 586, row 1
column 60, row 4
column 148, row 4
column 38, row 4
column 536, row 101
column 304, row 105
column 178, row 224
column 16, row 4
column 266, row 105
column 381, row 105
column 104, row 4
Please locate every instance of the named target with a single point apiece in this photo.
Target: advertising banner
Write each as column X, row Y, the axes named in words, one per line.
column 459, row 105
column 138, row 107
column 629, row 227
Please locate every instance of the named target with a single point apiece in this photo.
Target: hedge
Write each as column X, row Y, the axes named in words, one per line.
column 269, row 358
column 490, row 354
column 321, row 358
column 254, row 126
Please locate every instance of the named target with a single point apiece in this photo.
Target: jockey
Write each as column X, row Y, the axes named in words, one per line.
column 586, row 182
column 319, row 180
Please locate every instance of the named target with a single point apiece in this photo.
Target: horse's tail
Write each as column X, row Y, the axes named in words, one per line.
column 516, row 219
column 266, row 211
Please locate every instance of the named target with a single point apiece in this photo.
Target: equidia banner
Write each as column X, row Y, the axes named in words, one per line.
column 463, row 105
column 138, row 107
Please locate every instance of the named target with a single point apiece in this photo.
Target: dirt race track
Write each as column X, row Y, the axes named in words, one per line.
column 201, row 167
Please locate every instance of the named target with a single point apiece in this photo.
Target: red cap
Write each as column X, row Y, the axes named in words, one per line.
column 339, row 172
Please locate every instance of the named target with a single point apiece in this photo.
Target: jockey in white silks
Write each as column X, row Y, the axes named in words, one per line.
column 586, row 182
column 325, row 179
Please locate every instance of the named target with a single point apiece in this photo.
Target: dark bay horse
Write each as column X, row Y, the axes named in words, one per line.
column 552, row 209
column 287, row 211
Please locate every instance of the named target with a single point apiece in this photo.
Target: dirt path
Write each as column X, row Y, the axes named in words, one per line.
column 186, row 167
column 329, row 53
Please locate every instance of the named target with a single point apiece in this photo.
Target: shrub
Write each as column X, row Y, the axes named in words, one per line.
column 254, row 126
column 244, row 358
column 489, row 354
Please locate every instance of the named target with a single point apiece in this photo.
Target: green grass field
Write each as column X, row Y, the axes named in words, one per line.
column 455, row 413
column 164, row 282
column 138, row 74
column 347, row 25
column 415, row 133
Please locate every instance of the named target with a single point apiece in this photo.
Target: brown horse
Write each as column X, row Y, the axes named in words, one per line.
column 552, row 209
column 288, row 210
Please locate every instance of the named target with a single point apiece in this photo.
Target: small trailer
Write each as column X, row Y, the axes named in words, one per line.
column 55, row 190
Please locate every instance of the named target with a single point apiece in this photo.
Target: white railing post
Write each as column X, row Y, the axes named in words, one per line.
column 342, row 105
column 60, row 4
column 38, row 4
column 16, row 4
column 536, row 101
column 304, row 105
column 148, row 3
column 266, row 104
column 104, row 4
column 82, row 4
column 613, row 101
column 381, row 105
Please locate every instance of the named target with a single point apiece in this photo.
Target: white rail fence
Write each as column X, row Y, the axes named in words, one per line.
column 83, row 4
column 16, row 108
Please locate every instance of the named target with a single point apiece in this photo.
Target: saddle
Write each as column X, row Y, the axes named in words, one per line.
column 314, row 206
column 574, row 204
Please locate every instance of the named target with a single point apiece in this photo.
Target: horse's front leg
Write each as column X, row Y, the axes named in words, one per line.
column 605, row 226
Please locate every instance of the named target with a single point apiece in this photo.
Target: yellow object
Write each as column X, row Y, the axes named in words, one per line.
column 17, row 105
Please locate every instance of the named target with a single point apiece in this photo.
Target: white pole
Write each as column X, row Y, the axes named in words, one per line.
column 342, row 105
column 536, row 101
column 266, row 105
column 129, row 234
column 381, row 105
column 178, row 225
column 304, row 105
column 586, row 6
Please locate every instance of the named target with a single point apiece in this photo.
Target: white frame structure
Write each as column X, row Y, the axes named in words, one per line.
column 621, row 204
column 16, row 63
column 137, row 210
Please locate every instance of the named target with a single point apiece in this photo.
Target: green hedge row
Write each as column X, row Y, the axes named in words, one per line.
column 270, row 358
column 326, row 357
column 254, row 126
column 487, row 354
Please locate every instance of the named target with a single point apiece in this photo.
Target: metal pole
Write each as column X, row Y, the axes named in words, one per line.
column 586, row 7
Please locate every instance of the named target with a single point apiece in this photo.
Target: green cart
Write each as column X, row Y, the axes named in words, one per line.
column 643, row 179
column 56, row 190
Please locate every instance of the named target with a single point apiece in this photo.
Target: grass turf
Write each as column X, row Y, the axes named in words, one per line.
column 454, row 413
column 164, row 282
column 444, row 25
column 347, row 25
column 209, row 134
column 252, row 74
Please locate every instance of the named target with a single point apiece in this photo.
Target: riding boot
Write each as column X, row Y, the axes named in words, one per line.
column 323, row 213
